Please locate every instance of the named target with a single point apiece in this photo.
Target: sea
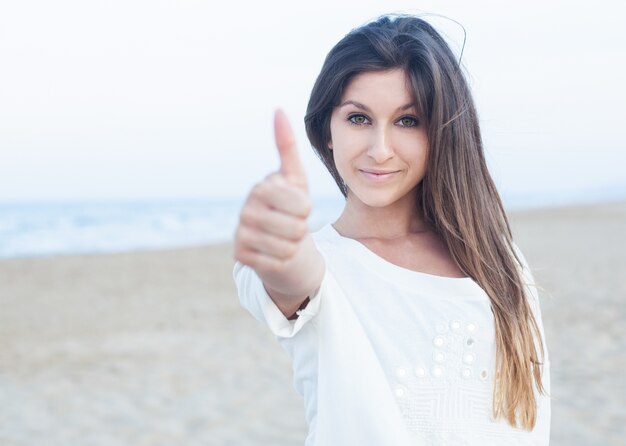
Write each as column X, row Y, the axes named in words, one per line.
column 39, row 229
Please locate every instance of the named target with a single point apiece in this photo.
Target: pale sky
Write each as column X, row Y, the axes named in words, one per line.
column 174, row 99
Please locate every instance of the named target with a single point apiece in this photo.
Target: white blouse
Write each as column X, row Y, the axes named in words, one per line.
column 383, row 355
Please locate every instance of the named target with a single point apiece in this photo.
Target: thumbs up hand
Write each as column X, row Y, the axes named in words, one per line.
column 290, row 166
column 273, row 235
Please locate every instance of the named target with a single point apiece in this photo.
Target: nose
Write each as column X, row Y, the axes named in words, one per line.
column 380, row 148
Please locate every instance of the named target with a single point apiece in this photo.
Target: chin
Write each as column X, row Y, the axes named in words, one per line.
column 375, row 200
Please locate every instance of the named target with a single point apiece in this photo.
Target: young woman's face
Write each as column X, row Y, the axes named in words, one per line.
column 379, row 142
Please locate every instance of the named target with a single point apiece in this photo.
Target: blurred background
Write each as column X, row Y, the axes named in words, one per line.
column 130, row 135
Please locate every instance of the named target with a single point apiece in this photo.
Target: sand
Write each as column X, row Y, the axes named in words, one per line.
column 153, row 348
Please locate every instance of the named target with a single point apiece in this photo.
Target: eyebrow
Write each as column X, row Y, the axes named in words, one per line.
column 367, row 109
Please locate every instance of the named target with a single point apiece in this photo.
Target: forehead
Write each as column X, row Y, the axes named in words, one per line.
column 388, row 85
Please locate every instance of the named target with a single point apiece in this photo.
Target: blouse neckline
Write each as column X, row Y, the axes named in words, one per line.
column 398, row 274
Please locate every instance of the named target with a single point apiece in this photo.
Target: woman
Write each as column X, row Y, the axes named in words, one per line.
column 413, row 319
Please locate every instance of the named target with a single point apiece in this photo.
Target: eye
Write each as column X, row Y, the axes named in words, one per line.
column 357, row 119
column 408, row 121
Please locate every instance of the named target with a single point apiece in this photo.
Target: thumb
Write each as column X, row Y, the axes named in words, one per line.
column 290, row 165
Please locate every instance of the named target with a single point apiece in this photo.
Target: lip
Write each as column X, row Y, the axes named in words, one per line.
column 378, row 175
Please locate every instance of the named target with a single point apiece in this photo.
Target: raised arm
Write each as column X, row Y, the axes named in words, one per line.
column 273, row 235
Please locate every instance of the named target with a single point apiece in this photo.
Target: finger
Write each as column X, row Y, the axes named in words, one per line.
column 259, row 261
column 290, row 164
column 269, row 244
column 276, row 193
column 275, row 222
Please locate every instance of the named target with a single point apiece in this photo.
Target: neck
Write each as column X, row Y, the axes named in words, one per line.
column 400, row 219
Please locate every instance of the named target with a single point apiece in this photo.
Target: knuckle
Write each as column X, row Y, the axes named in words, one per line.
column 254, row 193
column 259, row 190
column 291, row 249
column 298, row 230
column 301, row 229
column 274, row 265
column 248, row 215
column 285, row 250
column 237, row 237
column 244, row 236
column 241, row 255
column 306, row 208
column 304, row 203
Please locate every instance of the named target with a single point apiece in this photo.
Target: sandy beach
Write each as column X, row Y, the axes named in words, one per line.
column 153, row 348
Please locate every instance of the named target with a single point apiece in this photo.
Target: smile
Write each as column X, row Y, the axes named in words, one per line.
column 378, row 175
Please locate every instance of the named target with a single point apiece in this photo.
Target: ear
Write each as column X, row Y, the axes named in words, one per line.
column 330, row 145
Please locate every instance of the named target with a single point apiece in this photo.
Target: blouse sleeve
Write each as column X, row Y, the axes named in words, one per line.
column 254, row 298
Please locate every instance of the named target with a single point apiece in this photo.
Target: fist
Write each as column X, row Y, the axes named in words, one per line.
column 273, row 220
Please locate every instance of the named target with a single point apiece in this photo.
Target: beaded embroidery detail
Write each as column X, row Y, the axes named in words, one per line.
column 443, row 386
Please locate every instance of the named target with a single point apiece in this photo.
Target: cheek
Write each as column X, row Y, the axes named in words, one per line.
column 415, row 149
column 341, row 161
column 347, row 150
column 343, row 145
column 349, row 142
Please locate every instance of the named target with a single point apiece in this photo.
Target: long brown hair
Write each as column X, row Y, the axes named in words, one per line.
column 457, row 195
